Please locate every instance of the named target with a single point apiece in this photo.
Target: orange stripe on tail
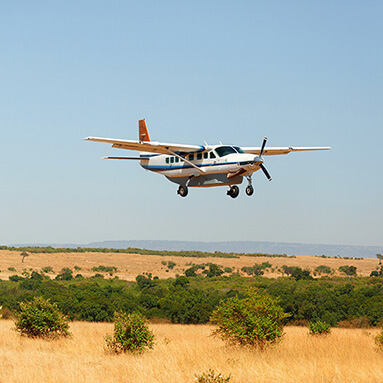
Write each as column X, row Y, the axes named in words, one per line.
column 143, row 134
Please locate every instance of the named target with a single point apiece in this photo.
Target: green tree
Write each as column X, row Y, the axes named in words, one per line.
column 41, row 319
column 65, row 275
column 257, row 320
column 348, row 270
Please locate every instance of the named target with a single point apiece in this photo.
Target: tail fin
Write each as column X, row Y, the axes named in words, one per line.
column 143, row 134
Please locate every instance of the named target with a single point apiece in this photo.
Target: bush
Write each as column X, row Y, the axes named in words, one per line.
column 131, row 334
column 65, row 275
column 379, row 340
column 211, row 377
column 41, row 319
column 348, row 270
column 319, row 328
column 256, row 320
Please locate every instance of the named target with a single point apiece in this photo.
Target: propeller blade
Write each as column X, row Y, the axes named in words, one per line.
column 266, row 172
column 263, row 146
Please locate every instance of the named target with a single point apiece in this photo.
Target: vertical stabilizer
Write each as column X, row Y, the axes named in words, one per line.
column 143, row 134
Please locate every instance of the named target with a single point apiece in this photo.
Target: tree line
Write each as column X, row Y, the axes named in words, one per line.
column 338, row 301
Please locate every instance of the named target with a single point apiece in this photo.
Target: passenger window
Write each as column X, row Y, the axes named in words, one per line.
column 171, row 160
column 167, row 160
column 177, row 159
column 212, row 155
column 191, row 157
column 205, row 155
column 199, row 156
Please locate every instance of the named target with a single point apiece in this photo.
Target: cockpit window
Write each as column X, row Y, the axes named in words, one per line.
column 238, row 149
column 224, row 150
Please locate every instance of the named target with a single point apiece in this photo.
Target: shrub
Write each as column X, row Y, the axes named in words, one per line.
column 65, row 275
column 131, row 334
column 319, row 328
column 348, row 270
column 171, row 265
column 41, row 319
column 379, row 340
column 256, row 320
column 47, row 269
column 211, row 377
column 323, row 269
column 11, row 269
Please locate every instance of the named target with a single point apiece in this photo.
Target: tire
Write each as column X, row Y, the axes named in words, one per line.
column 249, row 190
column 233, row 192
column 183, row 191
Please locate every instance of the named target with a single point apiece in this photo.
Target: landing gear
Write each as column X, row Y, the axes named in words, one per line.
column 183, row 191
column 249, row 189
column 233, row 191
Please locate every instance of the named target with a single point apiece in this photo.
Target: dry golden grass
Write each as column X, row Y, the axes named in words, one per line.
column 182, row 351
column 131, row 265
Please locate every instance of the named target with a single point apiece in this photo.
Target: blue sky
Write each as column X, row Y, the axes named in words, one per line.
column 302, row 73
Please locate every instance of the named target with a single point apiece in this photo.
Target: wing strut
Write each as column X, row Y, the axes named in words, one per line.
column 187, row 161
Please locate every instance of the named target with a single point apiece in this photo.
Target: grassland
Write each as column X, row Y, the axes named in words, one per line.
column 182, row 351
column 131, row 265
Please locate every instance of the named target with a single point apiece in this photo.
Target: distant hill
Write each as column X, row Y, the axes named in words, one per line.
column 237, row 246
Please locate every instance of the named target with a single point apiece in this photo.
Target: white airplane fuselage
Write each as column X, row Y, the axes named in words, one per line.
column 213, row 169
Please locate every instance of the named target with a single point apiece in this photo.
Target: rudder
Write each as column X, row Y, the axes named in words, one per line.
column 143, row 134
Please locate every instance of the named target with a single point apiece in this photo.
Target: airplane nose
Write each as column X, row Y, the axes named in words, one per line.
column 258, row 160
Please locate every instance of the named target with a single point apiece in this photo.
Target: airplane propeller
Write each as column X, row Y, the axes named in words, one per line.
column 266, row 173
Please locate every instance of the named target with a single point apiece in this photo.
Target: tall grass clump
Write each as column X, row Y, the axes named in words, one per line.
column 131, row 334
column 212, row 377
column 379, row 340
column 41, row 319
column 319, row 328
column 256, row 321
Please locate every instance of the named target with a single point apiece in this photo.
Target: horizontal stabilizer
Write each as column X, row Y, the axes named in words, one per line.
column 125, row 158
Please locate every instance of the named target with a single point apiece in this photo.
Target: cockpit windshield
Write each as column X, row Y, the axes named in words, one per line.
column 238, row 149
column 225, row 150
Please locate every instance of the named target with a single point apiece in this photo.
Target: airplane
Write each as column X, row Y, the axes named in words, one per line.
column 200, row 166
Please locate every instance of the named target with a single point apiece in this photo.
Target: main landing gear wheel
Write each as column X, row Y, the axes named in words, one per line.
column 182, row 191
column 233, row 191
column 249, row 190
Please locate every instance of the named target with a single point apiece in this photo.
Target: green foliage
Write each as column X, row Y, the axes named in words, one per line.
column 296, row 272
column 214, row 270
column 131, row 334
column 379, row 340
column 164, row 263
column 377, row 273
column 256, row 320
column 77, row 268
column 171, row 265
column 16, row 278
column 65, row 275
column 105, row 269
column 348, row 270
column 41, row 319
column 212, row 377
column 319, row 328
column 11, row 269
column 131, row 250
column 47, row 269
column 322, row 269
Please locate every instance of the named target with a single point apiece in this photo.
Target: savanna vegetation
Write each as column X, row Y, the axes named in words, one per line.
column 355, row 301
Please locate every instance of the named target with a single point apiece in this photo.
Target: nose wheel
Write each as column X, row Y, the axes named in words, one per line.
column 249, row 190
column 233, row 191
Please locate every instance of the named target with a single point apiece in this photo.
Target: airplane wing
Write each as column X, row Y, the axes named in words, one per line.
column 148, row 146
column 273, row 151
